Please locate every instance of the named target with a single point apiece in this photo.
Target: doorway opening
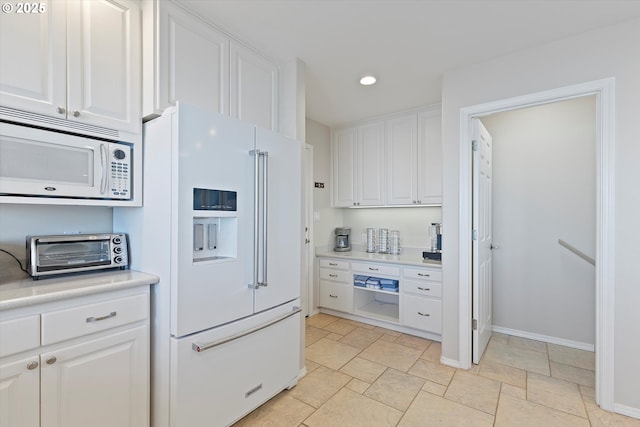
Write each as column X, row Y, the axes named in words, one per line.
column 603, row 90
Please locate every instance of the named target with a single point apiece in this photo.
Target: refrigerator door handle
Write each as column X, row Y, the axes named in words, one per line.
column 256, row 215
column 265, row 210
column 200, row 347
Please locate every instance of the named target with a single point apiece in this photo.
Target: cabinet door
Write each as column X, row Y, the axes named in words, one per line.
column 402, row 152
column 253, row 86
column 33, row 59
column 193, row 62
column 20, row 393
column 370, row 165
column 344, row 155
column 102, row 382
column 430, row 158
column 103, row 76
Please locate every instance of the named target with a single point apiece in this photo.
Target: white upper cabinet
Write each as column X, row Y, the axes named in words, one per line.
column 358, row 166
column 429, row 158
column 189, row 60
column 192, row 61
column 402, row 154
column 344, row 161
column 253, row 87
column 396, row 161
column 414, row 159
column 78, row 60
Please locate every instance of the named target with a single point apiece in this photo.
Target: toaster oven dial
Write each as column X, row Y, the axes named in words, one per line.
column 117, row 250
column 118, row 260
column 117, row 240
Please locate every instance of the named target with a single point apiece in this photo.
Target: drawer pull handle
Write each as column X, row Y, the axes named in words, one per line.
column 32, row 365
column 333, row 275
column 424, row 289
column 424, row 275
column 333, row 296
column 97, row 319
column 373, row 269
column 424, row 314
column 333, row 264
column 51, row 360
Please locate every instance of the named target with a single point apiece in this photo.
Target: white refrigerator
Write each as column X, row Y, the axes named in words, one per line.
column 221, row 226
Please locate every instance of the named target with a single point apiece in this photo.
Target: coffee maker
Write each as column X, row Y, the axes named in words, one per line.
column 435, row 251
column 343, row 243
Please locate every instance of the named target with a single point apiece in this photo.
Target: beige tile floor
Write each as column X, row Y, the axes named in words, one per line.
column 361, row 375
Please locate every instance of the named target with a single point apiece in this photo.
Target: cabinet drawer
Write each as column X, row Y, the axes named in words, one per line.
column 20, row 334
column 422, row 274
column 334, row 263
column 375, row 269
column 335, row 275
column 429, row 289
column 336, row 296
column 422, row 313
column 83, row 320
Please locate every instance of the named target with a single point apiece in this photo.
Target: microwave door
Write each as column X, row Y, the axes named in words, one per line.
column 44, row 163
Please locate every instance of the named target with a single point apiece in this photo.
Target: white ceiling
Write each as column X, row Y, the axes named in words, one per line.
column 407, row 44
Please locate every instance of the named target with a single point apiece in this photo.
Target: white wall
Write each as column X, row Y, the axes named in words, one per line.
column 19, row 221
column 544, row 188
column 319, row 136
column 607, row 52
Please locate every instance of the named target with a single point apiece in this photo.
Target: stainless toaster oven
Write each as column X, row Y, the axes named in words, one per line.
column 57, row 254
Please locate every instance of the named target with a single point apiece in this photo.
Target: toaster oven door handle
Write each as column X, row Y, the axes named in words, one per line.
column 105, row 175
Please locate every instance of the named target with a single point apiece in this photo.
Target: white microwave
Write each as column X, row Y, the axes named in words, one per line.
column 48, row 163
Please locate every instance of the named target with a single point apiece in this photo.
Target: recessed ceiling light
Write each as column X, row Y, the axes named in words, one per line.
column 367, row 80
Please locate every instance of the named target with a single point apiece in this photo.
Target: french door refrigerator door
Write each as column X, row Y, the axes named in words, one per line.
column 211, row 152
column 283, row 218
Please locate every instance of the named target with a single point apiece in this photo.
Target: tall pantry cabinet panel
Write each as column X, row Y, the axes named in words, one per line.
column 20, row 390
column 402, row 152
column 253, row 87
column 188, row 62
column 77, row 60
column 344, row 160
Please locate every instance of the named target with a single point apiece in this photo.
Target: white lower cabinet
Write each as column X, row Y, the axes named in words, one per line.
column 416, row 306
column 89, row 366
column 20, row 392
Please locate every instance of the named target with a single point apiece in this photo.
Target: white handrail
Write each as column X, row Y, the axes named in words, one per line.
column 577, row 252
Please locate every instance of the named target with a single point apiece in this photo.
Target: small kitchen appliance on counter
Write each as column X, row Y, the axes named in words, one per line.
column 72, row 253
column 343, row 243
column 435, row 253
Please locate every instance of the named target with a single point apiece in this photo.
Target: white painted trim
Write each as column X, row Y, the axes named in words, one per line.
column 450, row 362
column 627, row 410
column 605, row 227
column 544, row 338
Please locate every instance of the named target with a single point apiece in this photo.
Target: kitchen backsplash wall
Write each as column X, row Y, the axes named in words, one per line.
column 19, row 221
column 412, row 223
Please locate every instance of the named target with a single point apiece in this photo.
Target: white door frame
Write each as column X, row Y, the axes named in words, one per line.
column 604, row 90
column 307, row 198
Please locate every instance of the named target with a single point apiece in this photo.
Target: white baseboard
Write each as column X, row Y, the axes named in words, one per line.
column 302, row 373
column 626, row 410
column 544, row 338
column 450, row 362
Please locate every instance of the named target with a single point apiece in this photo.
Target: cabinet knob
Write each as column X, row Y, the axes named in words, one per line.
column 423, row 289
column 333, row 275
column 424, row 314
column 424, row 275
column 333, row 296
column 51, row 360
column 419, row 202
column 60, row 110
column 76, row 113
column 32, row 365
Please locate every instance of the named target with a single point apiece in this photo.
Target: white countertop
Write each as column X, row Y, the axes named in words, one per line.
column 21, row 293
column 413, row 258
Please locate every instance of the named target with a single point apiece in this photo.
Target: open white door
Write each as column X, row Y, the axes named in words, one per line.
column 482, row 239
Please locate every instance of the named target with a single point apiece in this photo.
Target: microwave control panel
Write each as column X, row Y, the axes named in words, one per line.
column 120, row 171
